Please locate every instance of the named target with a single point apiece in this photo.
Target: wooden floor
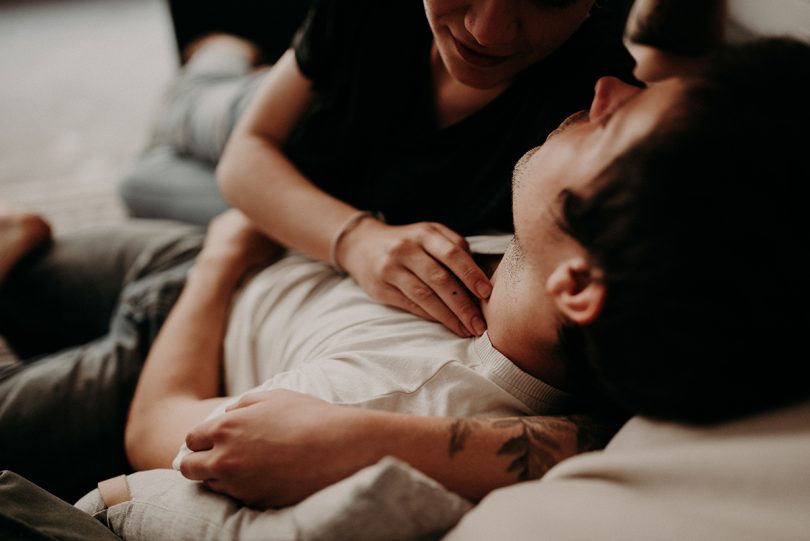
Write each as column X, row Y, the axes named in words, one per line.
column 81, row 79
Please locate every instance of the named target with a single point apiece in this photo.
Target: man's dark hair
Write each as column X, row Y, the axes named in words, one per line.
column 700, row 230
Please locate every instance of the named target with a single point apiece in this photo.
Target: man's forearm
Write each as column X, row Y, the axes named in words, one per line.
column 183, row 368
column 182, row 374
column 275, row 448
column 472, row 457
column 184, row 358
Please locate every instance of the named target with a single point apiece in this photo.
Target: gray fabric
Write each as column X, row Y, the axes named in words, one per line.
column 30, row 513
column 165, row 184
column 387, row 501
column 205, row 100
column 62, row 412
column 174, row 177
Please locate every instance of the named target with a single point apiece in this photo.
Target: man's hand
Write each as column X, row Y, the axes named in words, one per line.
column 424, row 268
column 275, row 448
column 235, row 246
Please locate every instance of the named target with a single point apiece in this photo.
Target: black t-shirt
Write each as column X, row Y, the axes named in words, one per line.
column 371, row 137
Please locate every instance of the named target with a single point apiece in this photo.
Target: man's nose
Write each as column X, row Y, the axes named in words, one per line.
column 492, row 22
column 609, row 93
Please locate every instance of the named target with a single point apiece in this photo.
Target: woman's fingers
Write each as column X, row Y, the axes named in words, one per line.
column 417, row 293
column 393, row 296
column 424, row 268
column 427, row 282
column 450, row 235
column 444, row 264
column 453, row 254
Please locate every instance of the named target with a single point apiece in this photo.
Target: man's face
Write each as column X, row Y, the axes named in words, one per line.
column 486, row 43
column 520, row 313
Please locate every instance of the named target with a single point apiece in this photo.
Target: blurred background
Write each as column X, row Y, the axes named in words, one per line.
column 80, row 82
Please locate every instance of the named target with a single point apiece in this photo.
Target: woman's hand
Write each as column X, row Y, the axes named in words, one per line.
column 424, row 268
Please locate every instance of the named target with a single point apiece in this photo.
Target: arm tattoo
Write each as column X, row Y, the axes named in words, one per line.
column 545, row 441
column 459, row 432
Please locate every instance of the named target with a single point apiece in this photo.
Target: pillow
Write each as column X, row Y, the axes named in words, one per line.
column 389, row 500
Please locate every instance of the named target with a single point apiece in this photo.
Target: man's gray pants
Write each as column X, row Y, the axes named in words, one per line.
column 81, row 314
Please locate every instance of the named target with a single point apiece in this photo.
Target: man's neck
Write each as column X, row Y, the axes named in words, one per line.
column 537, row 359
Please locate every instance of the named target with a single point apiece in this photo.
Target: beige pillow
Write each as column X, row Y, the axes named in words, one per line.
column 389, row 500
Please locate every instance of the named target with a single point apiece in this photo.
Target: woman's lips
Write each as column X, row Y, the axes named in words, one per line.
column 477, row 59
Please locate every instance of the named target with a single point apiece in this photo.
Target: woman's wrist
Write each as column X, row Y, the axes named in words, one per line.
column 344, row 230
column 347, row 237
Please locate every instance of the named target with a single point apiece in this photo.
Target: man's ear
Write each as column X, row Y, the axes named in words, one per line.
column 577, row 290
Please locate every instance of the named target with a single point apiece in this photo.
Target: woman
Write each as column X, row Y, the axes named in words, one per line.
column 412, row 113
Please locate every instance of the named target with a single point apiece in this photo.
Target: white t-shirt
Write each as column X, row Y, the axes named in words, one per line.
column 299, row 325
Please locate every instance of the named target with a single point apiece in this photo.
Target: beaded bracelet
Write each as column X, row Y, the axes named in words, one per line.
column 348, row 225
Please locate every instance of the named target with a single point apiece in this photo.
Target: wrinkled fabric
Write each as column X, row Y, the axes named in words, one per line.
column 28, row 512
column 389, row 500
column 63, row 408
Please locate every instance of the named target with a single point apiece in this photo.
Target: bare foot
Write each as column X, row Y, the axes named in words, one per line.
column 20, row 233
column 247, row 48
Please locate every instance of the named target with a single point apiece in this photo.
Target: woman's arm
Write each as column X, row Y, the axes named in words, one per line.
column 256, row 176
column 276, row 448
column 182, row 373
column 424, row 268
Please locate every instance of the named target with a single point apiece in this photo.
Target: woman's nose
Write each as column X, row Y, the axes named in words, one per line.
column 491, row 22
column 609, row 93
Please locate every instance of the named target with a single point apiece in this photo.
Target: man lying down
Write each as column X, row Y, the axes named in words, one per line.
column 622, row 164
column 300, row 326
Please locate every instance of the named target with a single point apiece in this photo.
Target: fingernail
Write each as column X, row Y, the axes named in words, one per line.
column 483, row 289
column 478, row 325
